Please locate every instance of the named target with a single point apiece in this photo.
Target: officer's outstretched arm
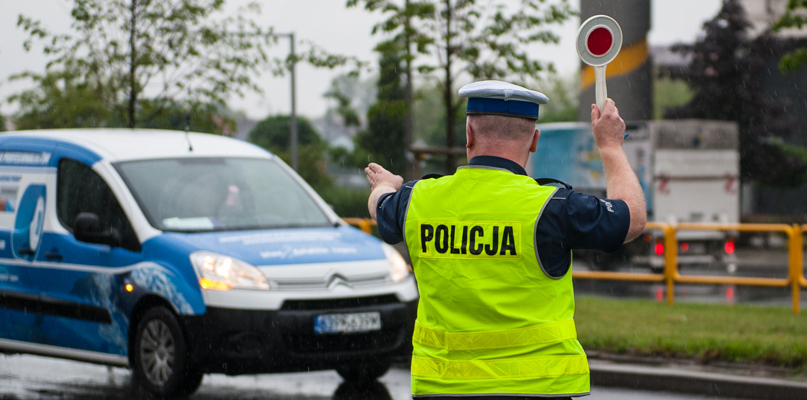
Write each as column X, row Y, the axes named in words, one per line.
column 381, row 182
column 620, row 180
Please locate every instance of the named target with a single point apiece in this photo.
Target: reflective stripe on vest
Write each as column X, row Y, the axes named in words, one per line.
column 541, row 334
column 500, row 369
column 489, row 319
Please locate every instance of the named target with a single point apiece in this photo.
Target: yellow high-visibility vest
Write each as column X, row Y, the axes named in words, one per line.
column 490, row 320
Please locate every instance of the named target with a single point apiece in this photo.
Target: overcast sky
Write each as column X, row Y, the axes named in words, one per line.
column 330, row 25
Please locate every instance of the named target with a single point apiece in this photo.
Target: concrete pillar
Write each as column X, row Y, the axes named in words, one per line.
column 630, row 75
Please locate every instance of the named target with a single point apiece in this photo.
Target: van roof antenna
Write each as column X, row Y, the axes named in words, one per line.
column 187, row 129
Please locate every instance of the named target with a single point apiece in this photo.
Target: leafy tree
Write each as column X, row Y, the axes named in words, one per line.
column 725, row 76
column 272, row 133
column 794, row 17
column 353, row 97
column 170, row 49
column 669, row 93
column 562, row 93
column 176, row 116
column 2, row 123
column 58, row 101
column 470, row 40
column 61, row 100
column 430, row 125
column 401, row 25
column 430, row 117
column 358, row 158
column 383, row 140
column 344, row 108
column 170, row 52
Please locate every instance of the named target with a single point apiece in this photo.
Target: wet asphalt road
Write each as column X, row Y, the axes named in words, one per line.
column 32, row 377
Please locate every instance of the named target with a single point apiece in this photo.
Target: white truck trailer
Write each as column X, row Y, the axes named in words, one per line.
column 688, row 169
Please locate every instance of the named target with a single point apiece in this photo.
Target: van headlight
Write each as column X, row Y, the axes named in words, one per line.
column 398, row 269
column 220, row 272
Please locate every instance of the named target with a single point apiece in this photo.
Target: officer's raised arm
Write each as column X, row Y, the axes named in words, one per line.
column 620, row 180
column 381, row 183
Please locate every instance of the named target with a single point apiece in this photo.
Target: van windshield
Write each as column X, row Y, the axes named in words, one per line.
column 219, row 194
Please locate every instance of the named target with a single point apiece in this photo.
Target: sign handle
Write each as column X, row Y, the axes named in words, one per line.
column 601, row 91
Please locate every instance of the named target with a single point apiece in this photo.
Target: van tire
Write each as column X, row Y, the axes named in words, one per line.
column 161, row 359
column 363, row 372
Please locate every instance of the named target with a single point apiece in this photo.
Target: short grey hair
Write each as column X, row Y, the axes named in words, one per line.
column 502, row 127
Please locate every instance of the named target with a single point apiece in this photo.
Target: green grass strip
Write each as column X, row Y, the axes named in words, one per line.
column 707, row 332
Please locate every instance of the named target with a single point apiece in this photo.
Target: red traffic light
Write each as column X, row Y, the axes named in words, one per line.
column 599, row 41
column 659, row 248
column 729, row 247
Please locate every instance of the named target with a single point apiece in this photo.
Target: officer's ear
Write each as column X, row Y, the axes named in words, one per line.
column 534, row 145
column 469, row 136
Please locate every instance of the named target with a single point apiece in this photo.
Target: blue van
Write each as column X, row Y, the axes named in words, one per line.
column 179, row 254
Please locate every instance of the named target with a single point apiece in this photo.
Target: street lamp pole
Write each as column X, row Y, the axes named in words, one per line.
column 293, row 107
column 293, row 116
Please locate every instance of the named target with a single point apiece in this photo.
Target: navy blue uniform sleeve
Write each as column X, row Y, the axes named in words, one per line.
column 391, row 211
column 596, row 224
column 577, row 221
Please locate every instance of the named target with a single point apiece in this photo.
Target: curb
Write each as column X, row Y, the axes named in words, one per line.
column 668, row 379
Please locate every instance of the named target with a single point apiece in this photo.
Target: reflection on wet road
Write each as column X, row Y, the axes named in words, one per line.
column 31, row 377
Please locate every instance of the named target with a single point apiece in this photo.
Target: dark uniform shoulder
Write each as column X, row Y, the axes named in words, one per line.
column 432, row 176
column 550, row 181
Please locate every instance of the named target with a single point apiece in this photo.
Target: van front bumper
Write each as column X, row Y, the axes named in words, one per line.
column 237, row 341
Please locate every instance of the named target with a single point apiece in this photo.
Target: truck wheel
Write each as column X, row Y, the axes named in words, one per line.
column 161, row 362
column 363, row 372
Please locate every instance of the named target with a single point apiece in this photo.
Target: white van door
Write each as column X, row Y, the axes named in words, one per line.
column 86, row 279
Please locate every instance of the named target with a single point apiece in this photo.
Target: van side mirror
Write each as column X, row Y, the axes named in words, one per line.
column 87, row 228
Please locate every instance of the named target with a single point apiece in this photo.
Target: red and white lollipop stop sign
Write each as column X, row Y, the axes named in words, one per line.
column 599, row 40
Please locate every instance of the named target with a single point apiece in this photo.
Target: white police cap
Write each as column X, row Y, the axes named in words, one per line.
column 502, row 98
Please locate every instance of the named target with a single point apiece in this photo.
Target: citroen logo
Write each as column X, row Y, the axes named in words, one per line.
column 337, row 279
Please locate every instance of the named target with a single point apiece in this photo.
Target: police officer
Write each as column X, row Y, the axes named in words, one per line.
column 491, row 249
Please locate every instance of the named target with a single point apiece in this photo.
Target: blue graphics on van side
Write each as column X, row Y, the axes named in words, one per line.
column 82, row 301
column 38, row 152
column 29, row 221
column 89, row 284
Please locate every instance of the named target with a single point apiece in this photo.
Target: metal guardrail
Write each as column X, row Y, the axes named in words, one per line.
column 670, row 276
column 629, row 276
column 795, row 277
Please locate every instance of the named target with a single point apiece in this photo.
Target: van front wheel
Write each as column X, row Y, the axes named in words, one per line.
column 161, row 356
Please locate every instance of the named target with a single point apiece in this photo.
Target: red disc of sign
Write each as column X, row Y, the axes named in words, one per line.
column 599, row 41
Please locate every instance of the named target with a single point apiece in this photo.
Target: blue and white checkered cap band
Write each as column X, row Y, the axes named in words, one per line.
column 502, row 98
column 483, row 105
